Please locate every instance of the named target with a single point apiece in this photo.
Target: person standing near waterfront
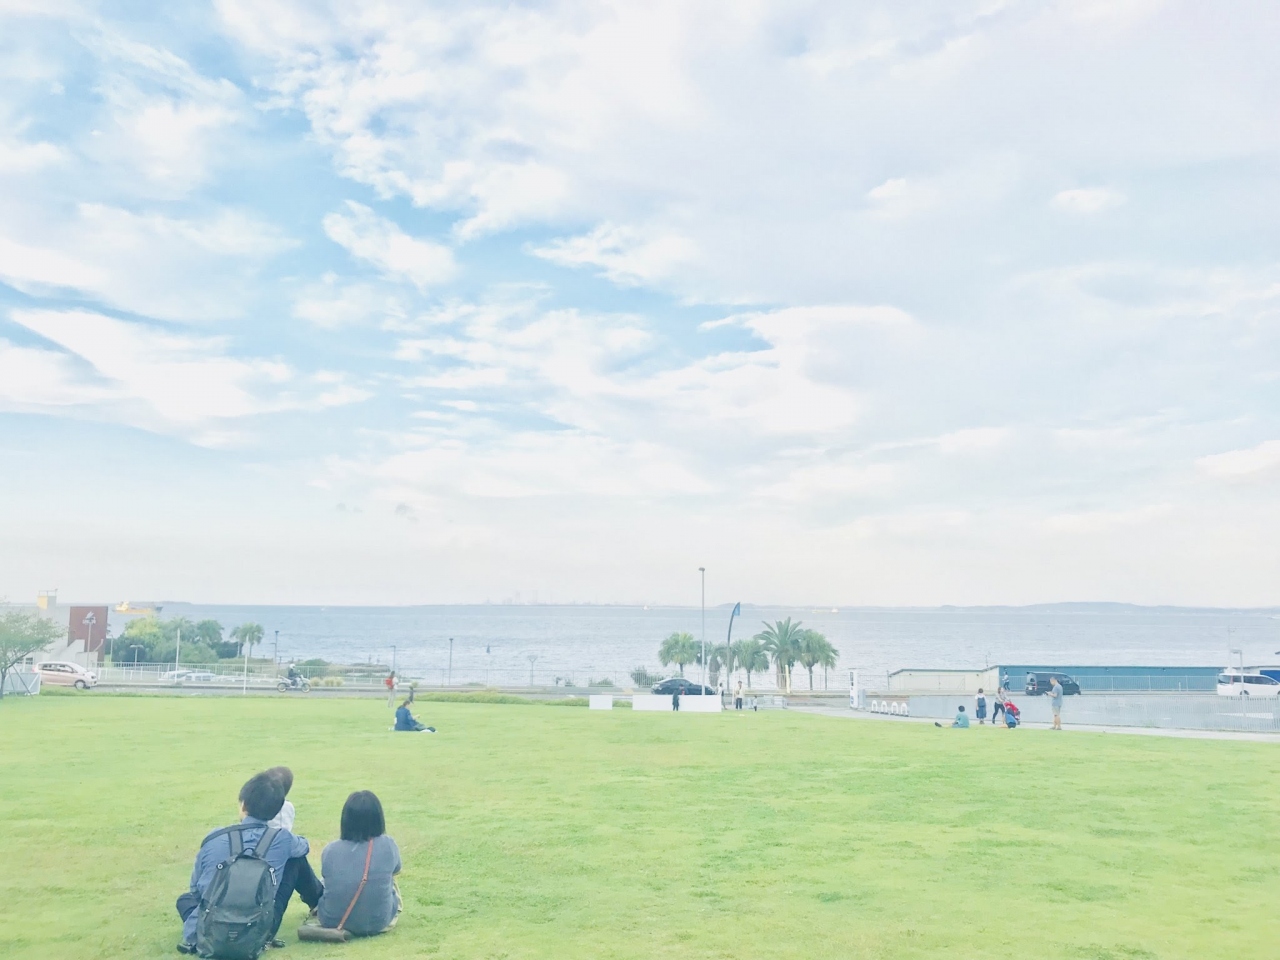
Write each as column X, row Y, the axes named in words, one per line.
column 675, row 700
column 391, row 688
column 980, row 707
column 1055, row 702
column 998, row 707
column 737, row 697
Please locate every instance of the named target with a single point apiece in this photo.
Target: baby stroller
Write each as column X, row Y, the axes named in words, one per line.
column 1012, row 715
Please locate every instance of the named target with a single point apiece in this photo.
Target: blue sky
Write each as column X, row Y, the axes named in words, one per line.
column 903, row 303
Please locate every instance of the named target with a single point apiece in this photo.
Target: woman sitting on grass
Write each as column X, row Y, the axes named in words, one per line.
column 364, row 850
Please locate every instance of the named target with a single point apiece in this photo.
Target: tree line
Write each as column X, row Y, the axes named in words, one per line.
column 202, row 641
column 781, row 644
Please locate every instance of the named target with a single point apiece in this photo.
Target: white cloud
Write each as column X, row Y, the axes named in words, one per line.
column 625, row 255
column 381, row 243
column 1097, row 521
column 332, row 303
column 153, row 378
column 17, row 156
column 1249, row 463
column 1087, row 200
column 151, row 264
column 973, row 440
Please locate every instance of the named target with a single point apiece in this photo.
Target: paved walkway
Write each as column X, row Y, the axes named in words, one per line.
column 847, row 714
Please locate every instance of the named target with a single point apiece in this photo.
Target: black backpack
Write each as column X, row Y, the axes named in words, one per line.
column 238, row 910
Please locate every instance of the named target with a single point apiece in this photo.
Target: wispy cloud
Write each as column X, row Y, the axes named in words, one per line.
column 381, row 243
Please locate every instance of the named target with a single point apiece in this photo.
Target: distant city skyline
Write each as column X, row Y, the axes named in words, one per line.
column 972, row 303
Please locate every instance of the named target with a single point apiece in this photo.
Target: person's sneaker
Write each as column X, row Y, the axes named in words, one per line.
column 276, row 944
column 187, row 948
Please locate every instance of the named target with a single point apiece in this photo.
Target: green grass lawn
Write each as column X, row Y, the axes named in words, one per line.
column 536, row 832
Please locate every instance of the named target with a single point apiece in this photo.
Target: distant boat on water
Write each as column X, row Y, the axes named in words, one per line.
column 130, row 610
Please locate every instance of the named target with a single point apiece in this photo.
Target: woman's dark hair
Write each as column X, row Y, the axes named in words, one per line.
column 362, row 817
column 262, row 796
column 285, row 776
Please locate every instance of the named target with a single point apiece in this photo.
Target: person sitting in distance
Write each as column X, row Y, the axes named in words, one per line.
column 406, row 722
column 961, row 721
column 342, row 864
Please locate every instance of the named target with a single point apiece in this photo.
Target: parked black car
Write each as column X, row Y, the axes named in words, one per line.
column 1039, row 684
column 686, row 687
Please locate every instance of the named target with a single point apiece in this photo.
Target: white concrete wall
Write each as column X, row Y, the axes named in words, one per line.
column 651, row 702
column 944, row 681
column 600, row 701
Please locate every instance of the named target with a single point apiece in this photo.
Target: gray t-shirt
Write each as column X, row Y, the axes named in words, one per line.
column 1055, row 694
column 341, row 866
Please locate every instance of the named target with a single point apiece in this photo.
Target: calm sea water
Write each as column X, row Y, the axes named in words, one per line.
column 508, row 644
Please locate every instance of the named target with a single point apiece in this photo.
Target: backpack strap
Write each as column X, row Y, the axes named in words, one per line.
column 368, row 855
column 237, row 842
column 264, row 842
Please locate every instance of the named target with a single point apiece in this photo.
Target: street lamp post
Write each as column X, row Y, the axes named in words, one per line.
column 703, row 571
column 393, row 659
column 89, row 621
column 135, row 647
column 177, row 651
column 275, row 653
column 533, row 658
column 449, row 681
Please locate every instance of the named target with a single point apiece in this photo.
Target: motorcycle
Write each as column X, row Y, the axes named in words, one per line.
column 285, row 684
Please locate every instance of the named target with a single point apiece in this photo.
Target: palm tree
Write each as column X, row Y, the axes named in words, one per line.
column 248, row 633
column 815, row 651
column 782, row 642
column 723, row 660
column 750, row 656
column 679, row 648
column 829, row 657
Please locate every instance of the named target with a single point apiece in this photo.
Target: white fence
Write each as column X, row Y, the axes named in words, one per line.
column 18, row 683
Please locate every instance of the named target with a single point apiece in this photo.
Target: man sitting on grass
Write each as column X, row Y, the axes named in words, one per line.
column 260, row 800
column 961, row 721
column 405, row 721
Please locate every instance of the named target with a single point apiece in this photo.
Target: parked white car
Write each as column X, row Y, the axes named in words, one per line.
column 62, row 673
column 187, row 676
column 1238, row 684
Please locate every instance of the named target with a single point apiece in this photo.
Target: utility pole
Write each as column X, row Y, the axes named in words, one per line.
column 177, row 651
column 449, row 681
column 533, row 657
column 275, row 654
column 393, row 658
column 703, row 571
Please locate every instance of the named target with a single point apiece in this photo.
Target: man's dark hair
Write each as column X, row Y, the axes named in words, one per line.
column 362, row 817
column 962, row 708
column 262, row 796
column 285, row 776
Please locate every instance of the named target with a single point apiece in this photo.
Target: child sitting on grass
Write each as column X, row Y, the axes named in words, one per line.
column 961, row 721
column 298, row 875
column 260, row 800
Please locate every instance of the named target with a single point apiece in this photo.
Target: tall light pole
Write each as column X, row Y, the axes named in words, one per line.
column 449, row 679
column 393, row 659
column 89, row 621
column 533, row 658
column 703, row 571
column 275, row 653
column 177, row 651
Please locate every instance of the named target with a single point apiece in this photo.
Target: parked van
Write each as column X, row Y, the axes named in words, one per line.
column 1039, row 684
column 1236, row 684
column 61, row 673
